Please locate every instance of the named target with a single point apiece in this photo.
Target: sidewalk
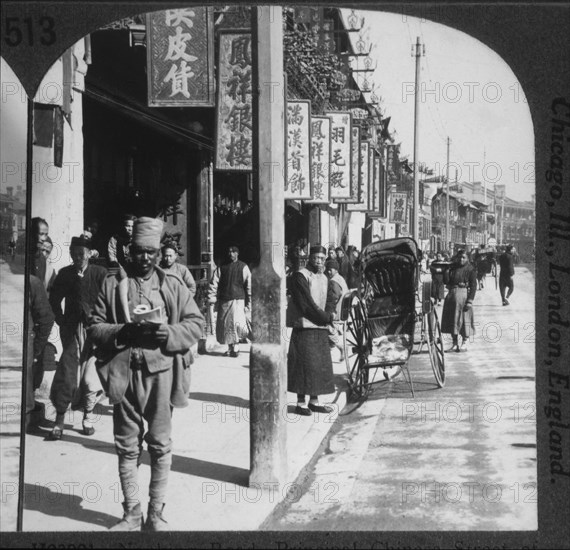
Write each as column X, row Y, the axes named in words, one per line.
column 73, row 484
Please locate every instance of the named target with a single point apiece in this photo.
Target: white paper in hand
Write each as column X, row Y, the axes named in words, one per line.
column 144, row 314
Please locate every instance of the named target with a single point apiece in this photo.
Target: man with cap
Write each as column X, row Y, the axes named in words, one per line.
column 337, row 289
column 143, row 325
column 230, row 290
column 309, row 364
column 78, row 284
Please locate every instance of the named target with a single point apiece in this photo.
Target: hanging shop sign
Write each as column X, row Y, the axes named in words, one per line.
column 398, row 208
column 234, row 124
column 362, row 205
column 377, row 197
column 341, row 155
column 180, row 57
column 371, row 190
column 298, row 184
column 320, row 155
column 355, row 168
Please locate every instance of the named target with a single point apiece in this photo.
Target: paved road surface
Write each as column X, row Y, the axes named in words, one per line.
column 458, row 458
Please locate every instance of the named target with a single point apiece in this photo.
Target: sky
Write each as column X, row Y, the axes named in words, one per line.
column 467, row 93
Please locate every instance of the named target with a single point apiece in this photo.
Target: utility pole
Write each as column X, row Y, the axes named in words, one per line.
column 447, row 198
column 267, row 375
column 419, row 51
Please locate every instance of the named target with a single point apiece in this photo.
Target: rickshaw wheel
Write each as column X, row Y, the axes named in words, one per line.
column 355, row 342
column 435, row 348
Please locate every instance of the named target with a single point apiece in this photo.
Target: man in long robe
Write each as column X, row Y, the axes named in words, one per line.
column 309, row 364
column 230, row 291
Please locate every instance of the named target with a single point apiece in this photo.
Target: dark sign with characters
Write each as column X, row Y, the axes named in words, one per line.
column 180, row 57
column 234, row 124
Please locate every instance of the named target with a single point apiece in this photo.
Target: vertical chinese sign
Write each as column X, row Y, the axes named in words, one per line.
column 371, row 189
column 355, row 168
column 341, row 155
column 298, row 184
column 398, row 208
column 362, row 205
column 234, row 125
column 180, row 57
column 320, row 156
column 377, row 200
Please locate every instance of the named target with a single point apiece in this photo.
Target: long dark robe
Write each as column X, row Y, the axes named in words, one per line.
column 309, row 364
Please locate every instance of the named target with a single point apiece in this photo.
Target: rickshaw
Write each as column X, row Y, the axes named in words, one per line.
column 389, row 314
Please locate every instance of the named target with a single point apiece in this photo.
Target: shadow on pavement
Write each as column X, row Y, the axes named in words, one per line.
column 181, row 464
column 230, row 400
column 41, row 498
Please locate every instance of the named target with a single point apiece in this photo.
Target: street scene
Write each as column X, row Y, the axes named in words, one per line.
column 308, row 305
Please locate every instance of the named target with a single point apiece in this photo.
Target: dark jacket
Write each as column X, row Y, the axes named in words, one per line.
column 506, row 261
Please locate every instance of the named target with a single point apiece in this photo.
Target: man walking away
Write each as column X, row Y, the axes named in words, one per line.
column 144, row 367
column 507, row 265
column 230, row 290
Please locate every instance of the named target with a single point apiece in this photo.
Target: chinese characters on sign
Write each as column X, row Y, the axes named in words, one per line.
column 371, row 187
column 298, row 184
column 320, row 156
column 377, row 204
column 362, row 205
column 341, row 157
column 180, row 57
column 234, row 125
column 398, row 208
column 355, row 168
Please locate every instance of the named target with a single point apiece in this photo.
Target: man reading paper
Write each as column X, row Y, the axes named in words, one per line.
column 144, row 367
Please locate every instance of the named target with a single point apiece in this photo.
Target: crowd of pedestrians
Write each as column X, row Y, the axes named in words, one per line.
column 463, row 275
column 127, row 321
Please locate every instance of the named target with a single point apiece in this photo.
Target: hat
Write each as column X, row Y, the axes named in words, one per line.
column 80, row 241
column 147, row 232
column 318, row 249
column 332, row 264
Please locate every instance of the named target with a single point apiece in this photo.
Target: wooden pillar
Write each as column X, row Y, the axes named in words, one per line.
column 268, row 364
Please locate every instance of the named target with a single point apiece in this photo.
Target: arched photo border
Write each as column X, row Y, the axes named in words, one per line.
column 532, row 40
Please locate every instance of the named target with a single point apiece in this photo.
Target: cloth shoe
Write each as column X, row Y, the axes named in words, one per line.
column 302, row 411
column 464, row 346
column 315, row 407
column 57, row 432
column 88, row 428
column 154, row 519
column 132, row 519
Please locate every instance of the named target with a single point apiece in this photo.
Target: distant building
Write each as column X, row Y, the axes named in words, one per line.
column 474, row 210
